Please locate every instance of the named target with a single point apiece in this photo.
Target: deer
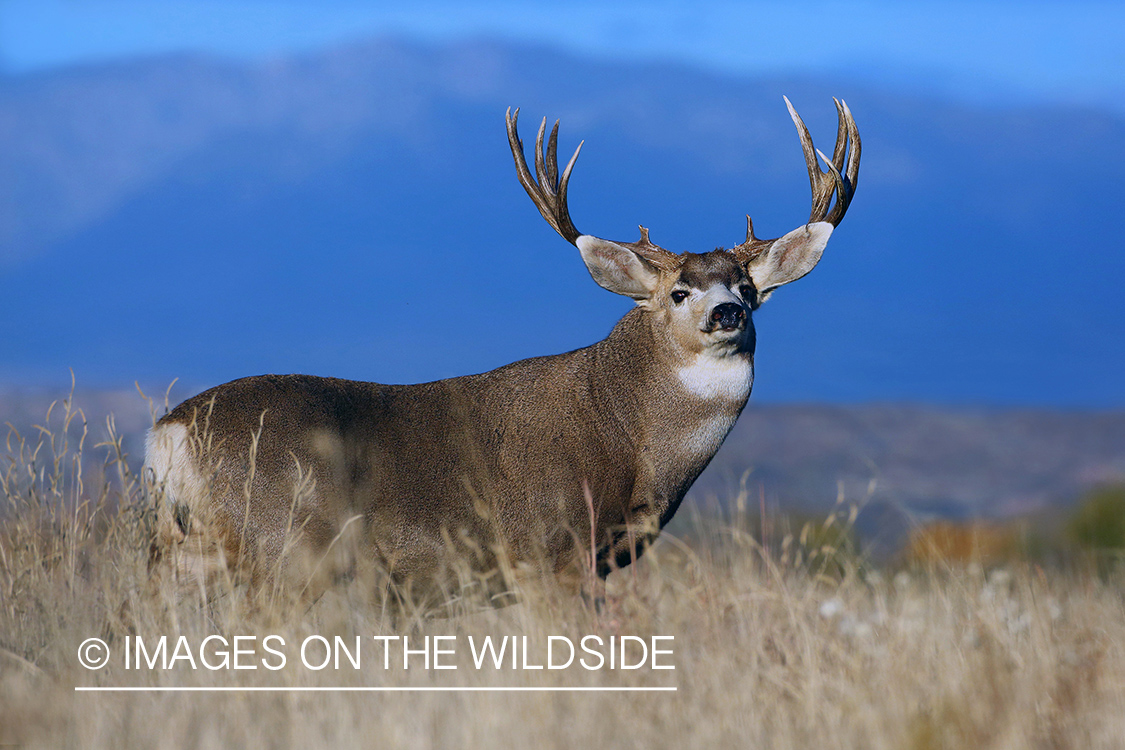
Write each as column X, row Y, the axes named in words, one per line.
column 564, row 466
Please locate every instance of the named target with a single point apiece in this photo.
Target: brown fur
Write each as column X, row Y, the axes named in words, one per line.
column 499, row 460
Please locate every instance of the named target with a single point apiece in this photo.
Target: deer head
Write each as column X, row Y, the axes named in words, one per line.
column 705, row 298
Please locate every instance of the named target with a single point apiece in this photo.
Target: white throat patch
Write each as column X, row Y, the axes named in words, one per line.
column 710, row 434
column 726, row 378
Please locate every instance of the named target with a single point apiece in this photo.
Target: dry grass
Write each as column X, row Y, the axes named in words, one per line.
column 769, row 651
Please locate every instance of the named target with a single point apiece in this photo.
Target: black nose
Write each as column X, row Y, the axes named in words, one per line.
column 728, row 315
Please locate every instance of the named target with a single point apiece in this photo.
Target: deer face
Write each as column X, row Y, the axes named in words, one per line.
column 704, row 300
column 706, row 305
column 698, row 311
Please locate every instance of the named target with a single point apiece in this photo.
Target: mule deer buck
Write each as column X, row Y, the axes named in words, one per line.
column 551, row 466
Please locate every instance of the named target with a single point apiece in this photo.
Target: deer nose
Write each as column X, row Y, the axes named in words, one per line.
column 728, row 315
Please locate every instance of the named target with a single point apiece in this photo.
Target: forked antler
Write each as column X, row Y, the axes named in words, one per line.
column 548, row 192
column 836, row 180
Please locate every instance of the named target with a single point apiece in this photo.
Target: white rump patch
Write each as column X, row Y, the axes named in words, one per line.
column 726, row 378
column 193, row 549
column 175, row 476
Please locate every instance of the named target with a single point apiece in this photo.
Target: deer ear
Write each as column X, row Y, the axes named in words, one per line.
column 789, row 257
column 617, row 268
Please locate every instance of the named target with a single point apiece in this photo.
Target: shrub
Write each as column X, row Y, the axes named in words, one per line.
column 1098, row 524
column 975, row 542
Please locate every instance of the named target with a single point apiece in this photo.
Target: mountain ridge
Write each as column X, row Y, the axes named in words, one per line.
column 385, row 163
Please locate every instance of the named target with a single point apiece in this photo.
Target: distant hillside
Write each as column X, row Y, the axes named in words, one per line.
column 909, row 464
column 355, row 213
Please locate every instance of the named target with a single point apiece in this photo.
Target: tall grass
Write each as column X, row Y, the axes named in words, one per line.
column 782, row 645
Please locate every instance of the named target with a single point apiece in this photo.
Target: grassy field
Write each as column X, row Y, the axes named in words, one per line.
column 771, row 648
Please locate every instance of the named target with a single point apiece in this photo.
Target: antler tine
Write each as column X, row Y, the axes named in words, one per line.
column 857, row 146
column 553, row 165
column 547, row 193
column 665, row 260
column 841, row 135
column 842, row 192
column 552, row 156
column 540, row 166
column 851, row 174
column 522, row 172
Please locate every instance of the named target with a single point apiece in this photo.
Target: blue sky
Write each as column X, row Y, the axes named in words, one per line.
column 1072, row 52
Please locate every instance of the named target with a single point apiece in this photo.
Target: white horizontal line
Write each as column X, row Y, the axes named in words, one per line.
column 372, row 689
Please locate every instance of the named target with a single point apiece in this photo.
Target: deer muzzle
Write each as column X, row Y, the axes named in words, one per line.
column 729, row 316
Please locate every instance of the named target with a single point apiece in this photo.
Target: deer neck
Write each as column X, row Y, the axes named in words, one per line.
column 670, row 402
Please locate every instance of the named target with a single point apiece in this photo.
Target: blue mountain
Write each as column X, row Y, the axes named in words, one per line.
column 356, row 213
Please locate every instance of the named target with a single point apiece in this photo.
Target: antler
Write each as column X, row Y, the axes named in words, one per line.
column 836, row 180
column 548, row 192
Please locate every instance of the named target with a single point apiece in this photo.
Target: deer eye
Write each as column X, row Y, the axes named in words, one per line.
column 746, row 291
column 679, row 296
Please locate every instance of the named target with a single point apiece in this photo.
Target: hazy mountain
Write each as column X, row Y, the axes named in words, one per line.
column 949, row 463
column 355, row 213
